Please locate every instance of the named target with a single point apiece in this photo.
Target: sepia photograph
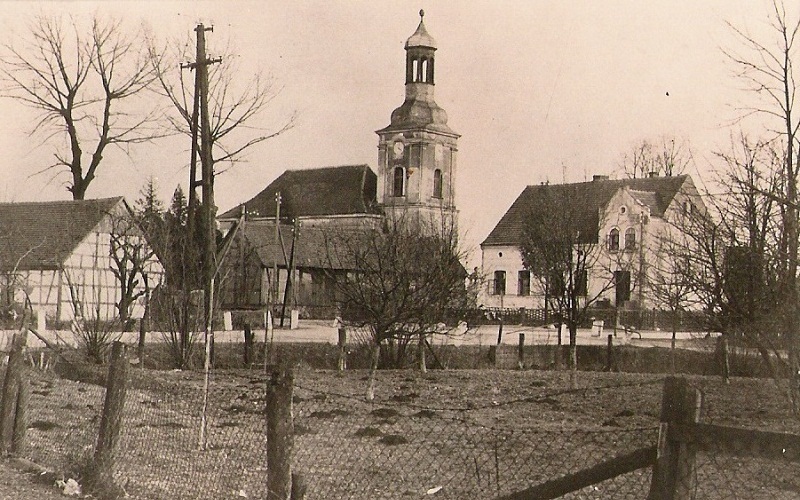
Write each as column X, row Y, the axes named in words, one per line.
column 503, row 250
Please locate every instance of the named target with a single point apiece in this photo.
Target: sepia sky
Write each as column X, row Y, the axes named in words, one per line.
column 540, row 90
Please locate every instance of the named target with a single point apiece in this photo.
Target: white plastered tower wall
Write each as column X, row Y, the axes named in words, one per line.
column 417, row 152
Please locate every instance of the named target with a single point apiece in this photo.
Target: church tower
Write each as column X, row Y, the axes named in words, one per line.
column 417, row 151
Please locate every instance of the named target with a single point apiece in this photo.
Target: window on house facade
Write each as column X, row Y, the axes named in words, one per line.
column 630, row 238
column 399, row 182
column 622, row 287
column 437, row 183
column 499, row 283
column 524, row 283
column 613, row 240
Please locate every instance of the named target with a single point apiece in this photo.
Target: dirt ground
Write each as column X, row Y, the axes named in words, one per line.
column 16, row 484
column 507, row 425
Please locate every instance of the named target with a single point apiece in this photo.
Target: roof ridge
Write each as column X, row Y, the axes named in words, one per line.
column 61, row 202
column 329, row 167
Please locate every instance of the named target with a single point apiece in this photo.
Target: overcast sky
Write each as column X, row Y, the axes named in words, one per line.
column 540, row 90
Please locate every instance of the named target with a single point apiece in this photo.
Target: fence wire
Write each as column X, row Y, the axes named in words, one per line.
column 346, row 447
column 349, row 448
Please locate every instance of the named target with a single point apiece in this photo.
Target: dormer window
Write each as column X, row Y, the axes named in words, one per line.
column 613, row 240
column 399, row 182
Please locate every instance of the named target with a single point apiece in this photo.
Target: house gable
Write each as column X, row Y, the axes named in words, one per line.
column 41, row 235
column 591, row 198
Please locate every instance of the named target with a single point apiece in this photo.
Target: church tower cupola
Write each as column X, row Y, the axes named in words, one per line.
column 419, row 55
column 417, row 150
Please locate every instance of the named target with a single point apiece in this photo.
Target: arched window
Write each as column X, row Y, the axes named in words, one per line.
column 399, row 182
column 630, row 238
column 414, row 70
column 613, row 240
column 437, row 183
column 423, row 71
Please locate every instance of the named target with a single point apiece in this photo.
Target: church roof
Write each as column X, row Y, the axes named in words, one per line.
column 419, row 113
column 421, row 38
column 41, row 235
column 315, row 192
column 590, row 197
column 315, row 247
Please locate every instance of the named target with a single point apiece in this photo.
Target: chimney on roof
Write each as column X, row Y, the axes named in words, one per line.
column 597, row 177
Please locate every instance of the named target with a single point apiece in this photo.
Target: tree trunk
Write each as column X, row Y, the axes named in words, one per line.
column 423, row 368
column 373, row 369
column 573, row 356
column 672, row 344
column 724, row 359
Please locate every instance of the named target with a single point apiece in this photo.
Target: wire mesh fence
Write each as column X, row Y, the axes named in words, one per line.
column 349, row 448
column 409, row 443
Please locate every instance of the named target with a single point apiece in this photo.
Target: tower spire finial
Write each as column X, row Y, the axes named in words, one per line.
column 421, row 13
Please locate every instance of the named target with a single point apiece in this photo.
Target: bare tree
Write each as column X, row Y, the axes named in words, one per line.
column 85, row 88
column 238, row 104
column 405, row 280
column 562, row 248
column 767, row 69
column 663, row 156
column 726, row 257
column 132, row 258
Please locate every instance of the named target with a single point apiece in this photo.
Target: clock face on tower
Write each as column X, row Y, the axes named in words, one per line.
column 398, row 148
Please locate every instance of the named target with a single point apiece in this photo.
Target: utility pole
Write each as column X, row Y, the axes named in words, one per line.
column 277, row 283
column 209, row 211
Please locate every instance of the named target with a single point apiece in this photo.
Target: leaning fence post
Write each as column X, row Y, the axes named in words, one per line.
column 101, row 475
column 21, row 411
column 674, row 471
column 11, row 383
column 280, row 434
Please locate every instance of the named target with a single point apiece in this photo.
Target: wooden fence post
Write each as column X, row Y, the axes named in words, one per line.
column 342, row 349
column 10, row 396
column 674, row 471
column 521, row 352
column 248, row 344
column 100, row 477
column 280, row 436
column 610, row 353
column 21, row 413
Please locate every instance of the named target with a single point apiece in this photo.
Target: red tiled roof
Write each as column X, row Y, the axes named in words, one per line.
column 327, row 191
column 589, row 198
column 41, row 235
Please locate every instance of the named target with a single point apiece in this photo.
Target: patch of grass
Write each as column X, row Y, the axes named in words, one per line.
column 425, row 414
column 323, row 414
column 43, row 425
column 405, row 398
column 368, row 432
column 393, row 439
column 385, row 413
